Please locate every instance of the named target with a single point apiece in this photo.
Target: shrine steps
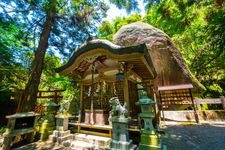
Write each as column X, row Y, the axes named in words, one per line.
column 87, row 142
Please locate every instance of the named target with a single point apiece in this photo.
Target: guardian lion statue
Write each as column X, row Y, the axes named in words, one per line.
column 117, row 108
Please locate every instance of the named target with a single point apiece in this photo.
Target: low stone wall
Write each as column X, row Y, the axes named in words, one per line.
column 188, row 115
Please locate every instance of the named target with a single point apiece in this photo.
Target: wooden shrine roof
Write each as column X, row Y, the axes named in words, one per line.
column 108, row 55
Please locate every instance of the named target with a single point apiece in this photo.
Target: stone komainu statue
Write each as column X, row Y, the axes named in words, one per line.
column 117, row 109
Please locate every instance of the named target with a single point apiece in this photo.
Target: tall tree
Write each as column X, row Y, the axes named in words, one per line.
column 37, row 65
column 53, row 23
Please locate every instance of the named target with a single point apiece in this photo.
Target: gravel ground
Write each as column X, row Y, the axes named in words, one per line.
column 194, row 137
column 177, row 137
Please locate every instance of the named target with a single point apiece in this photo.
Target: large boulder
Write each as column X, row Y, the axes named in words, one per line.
column 168, row 62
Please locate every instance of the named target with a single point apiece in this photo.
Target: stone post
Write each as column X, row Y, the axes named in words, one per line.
column 223, row 101
column 7, row 138
column 149, row 138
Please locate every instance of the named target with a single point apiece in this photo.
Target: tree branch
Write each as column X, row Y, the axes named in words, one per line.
column 17, row 11
column 34, row 25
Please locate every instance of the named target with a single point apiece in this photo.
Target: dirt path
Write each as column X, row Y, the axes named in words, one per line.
column 194, row 137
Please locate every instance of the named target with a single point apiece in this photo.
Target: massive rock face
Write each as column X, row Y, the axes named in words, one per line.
column 166, row 58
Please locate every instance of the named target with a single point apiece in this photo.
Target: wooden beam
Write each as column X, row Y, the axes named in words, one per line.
column 135, row 75
column 81, row 105
column 148, row 67
column 126, row 91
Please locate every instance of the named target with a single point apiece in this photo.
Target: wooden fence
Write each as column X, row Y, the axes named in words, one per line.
column 55, row 95
column 220, row 100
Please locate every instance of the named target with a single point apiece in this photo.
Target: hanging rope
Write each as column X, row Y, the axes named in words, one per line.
column 92, row 94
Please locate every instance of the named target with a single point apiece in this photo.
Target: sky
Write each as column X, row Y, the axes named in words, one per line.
column 114, row 12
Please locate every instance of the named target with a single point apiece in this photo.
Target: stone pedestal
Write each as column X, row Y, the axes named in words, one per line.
column 149, row 139
column 61, row 133
column 62, row 122
column 60, row 136
column 46, row 128
column 120, row 135
column 149, row 142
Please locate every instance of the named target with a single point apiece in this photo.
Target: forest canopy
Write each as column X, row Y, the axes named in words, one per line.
column 37, row 36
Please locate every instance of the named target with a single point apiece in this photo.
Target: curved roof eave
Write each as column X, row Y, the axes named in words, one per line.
column 107, row 45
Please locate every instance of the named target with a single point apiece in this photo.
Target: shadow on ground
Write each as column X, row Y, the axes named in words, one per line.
column 40, row 146
column 194, row 137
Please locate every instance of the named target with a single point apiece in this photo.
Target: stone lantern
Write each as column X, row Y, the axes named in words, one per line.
column 48, row 120
column 149, row 138
column 61, row 134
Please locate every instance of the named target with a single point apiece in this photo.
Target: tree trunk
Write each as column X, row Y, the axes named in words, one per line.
column 29, row 97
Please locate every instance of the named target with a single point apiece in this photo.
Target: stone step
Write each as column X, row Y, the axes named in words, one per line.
column 67, row 137
column 61, row 133
column 67, row 143
column 80, row 137
column 80, row 145
column 96, row 141
column 54, row 139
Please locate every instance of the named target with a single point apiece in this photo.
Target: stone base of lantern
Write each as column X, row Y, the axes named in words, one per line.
column 60, row 136
column 115, row 145
column 61, row 133
column 149, row 142
column 120, row 135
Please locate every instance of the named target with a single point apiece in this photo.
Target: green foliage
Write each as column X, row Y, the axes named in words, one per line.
column 50, row 80
column 64, row 24
column 70, row 102
column 2, row 129
column 74, row 21
column 119, row 22
column 128, row 5
column 50, row 26
column 107, row 29
column 174, row 17
column 197, row 29
column 12, row 74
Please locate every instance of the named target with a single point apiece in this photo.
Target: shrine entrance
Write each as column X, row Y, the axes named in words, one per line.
column 105, row 70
